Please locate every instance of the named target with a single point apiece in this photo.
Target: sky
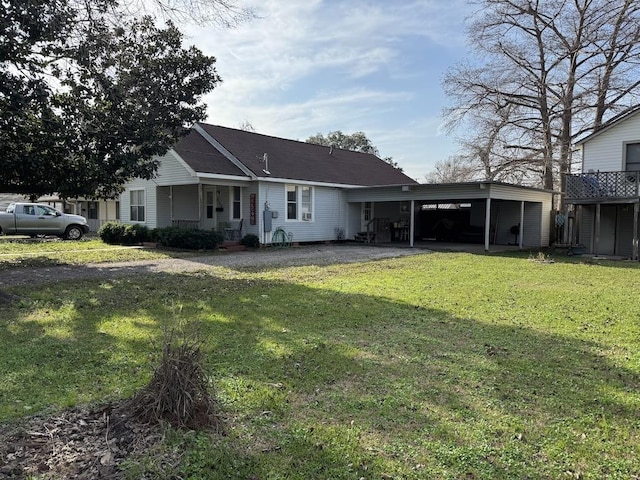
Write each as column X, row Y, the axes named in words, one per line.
column 304, row 67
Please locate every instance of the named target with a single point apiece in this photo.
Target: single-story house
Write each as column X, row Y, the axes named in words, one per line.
column 247, row 183
column 605, row 195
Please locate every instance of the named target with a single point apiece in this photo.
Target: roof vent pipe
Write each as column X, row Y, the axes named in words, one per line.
column 330, row 149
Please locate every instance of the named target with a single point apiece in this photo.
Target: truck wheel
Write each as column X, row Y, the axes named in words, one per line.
column 73, row 233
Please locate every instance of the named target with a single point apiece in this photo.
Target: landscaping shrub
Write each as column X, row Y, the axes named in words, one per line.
column 111, row 233
column 134, row 234
column 115, row 233
column 250, row 241
column 191, row 239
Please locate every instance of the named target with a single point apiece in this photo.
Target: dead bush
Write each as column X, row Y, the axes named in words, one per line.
column 179, row 391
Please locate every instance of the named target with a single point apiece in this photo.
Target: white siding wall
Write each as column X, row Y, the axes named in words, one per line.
column 605, row 152
column 329, row 213
column 173, row 172
column 150, row 202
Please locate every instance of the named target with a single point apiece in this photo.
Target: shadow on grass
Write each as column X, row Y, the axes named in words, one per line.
column 326, row 384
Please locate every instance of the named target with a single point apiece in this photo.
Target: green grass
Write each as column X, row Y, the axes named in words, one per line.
column 18, row 252
column 442, row 366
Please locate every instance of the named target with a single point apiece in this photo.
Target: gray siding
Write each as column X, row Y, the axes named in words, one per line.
column 163, row 218
column 532, row 233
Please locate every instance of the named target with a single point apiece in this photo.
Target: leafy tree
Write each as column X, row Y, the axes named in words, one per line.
column 357, row 142
column 86, row 104
column 550, row 71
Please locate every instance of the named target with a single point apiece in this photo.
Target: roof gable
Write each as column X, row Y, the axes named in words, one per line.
column 611, row 123
column 287, row 159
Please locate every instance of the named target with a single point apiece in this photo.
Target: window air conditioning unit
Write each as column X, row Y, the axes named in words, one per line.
column 306, row 216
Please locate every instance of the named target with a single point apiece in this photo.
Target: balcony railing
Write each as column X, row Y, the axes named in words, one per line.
column 603, row 186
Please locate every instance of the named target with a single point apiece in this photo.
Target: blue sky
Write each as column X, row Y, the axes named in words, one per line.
column 311, row 66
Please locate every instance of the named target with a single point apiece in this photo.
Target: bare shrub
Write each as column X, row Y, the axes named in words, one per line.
column 179, row 391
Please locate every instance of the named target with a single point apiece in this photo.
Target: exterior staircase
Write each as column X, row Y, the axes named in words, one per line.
column 378, row 231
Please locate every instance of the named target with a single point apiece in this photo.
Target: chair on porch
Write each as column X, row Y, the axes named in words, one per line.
column 233, row 232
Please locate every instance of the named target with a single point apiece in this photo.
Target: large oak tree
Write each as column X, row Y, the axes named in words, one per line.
column 88, row 100
column 557, row 68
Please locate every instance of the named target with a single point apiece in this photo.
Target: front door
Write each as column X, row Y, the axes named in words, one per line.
column 366, row 215
column 210, row 203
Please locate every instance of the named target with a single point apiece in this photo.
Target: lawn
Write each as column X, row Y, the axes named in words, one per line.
column 437, row 366
column 23, row 252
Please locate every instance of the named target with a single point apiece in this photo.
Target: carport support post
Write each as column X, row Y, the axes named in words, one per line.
column 636, row 209
column 596, row 240
column 411, row 223
column 521, row 225
column 487, row 225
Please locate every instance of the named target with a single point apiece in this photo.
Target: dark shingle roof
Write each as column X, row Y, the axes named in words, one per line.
column 288, row 159
column 200, row 155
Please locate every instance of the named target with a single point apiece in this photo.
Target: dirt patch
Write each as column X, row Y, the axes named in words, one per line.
column 80, row 443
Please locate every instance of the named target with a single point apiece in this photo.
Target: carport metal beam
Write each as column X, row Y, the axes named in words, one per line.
column 412, row 222
column 487, row 225
column 521, row 224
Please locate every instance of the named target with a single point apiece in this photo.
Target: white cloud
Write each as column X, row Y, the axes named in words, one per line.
column 317, row 66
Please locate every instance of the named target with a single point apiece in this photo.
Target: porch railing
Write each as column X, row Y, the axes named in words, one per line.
column 603, row 186
column 187, row 224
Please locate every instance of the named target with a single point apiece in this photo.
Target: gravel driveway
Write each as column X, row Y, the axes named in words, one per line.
column 263, row 258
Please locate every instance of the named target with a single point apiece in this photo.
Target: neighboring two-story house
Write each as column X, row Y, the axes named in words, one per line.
column 606, row 194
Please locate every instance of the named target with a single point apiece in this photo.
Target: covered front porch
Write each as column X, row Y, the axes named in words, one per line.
column 205, row 206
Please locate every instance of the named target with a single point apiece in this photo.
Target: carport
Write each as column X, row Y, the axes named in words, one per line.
column 476, row 212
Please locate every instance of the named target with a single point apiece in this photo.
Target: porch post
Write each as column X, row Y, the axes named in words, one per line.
column 596, row 236
column 200, row 201
column 636, row 209
column 521, row 224
column 411, row 224
column 171, row 203
column 487, row 225
column 577, row 213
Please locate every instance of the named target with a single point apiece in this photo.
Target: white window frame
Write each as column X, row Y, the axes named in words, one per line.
column 143, row 205
column 304, row 209
column 233, row 201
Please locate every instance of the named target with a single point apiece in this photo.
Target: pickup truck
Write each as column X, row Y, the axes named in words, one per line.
column 38, row 219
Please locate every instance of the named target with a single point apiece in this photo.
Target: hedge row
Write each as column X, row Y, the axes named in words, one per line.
column 115, row 233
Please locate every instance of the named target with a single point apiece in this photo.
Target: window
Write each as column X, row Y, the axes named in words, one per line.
column 236, row 203
column 117, row 210
column 209, row 205
column 305, row 203
column 93, row 211
column 299, row 203
column 366, row 211
column 137, row 205
column 292, row 202
column 633, row 157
